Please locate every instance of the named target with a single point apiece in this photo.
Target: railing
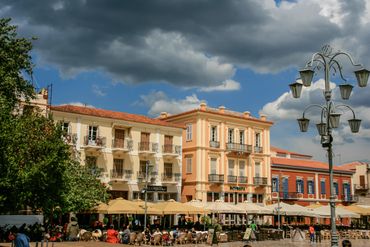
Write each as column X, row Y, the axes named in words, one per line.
column 237, row 147
column 171, row 149
column 349, row 198
column 361, row 186
column 214, row 144
column 260, row 180
column 123, row 174
column 216, row 178
column 122, row 144
column 98, row 141
column 70, row 138
column 151, row 175
column 243, row 179
column 148, row 147
column 289, row 195
column 171, row 177
column 231, row 179
column 258, row 149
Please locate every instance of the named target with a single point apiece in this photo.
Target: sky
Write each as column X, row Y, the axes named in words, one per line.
column 146, row 57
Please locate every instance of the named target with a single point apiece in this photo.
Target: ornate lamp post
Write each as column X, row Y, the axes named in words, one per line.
column 326, row 60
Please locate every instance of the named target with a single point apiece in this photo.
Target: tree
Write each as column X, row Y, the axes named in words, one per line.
column 36, row 166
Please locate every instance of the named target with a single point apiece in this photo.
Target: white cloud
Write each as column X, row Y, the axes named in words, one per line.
column 98, row 90
column 228, row 85
column 158, row 102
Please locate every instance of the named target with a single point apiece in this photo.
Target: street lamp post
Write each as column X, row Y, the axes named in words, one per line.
column 146, row 192
column 326, row 59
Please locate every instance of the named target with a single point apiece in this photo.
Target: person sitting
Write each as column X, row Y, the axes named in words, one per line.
column 156, row 232
column 147, row 235
column 112, row 235
column 346, row 243
column 72, row 229
column 126, row 235
column 22, row 240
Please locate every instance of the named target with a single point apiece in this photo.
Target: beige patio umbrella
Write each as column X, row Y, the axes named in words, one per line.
column 358, row 209
column 122, row 206
column 101, row 208
column 173, row 207
column 252, row 208
column 340, row 212
column 291, row 209
column 222, row 207
column 196, row 203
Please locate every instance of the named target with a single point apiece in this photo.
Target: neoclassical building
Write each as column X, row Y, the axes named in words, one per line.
column 122, row 146
column 226, row 155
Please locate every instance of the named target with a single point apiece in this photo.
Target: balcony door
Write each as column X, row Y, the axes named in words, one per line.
column 168, row 141
column 119, row 138
column 285, row 187
column 92, row 134
column 168, row 170
column 213, row 169
column 144, row 141
column 362, row 181
column 118, row 168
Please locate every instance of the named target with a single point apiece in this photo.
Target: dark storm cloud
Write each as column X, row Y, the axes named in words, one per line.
column 184, row 42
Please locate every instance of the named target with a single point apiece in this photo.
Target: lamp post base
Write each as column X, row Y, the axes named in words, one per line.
column 334, row 240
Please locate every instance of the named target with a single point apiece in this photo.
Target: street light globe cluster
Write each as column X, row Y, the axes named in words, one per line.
column 327, row 60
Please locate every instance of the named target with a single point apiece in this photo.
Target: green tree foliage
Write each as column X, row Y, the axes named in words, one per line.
column 36, row 166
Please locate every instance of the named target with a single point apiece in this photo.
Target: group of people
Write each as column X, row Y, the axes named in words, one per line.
column 315, row 233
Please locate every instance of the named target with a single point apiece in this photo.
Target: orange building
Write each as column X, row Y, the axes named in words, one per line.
column 296, row 178
column 226, row 155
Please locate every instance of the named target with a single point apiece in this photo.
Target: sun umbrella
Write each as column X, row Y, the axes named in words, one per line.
column 340, row 212
column 173, row 207
column 253, row 208
column 222, row 207
column 358, row 209
column 290, row 210
column 122, row 206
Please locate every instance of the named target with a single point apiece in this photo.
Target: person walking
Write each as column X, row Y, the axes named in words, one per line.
column 317, row 233
column 311, row 230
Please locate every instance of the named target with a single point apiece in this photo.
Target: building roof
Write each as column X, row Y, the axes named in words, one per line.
column 88, row 111
column 216, row 111
column 305, row 165
column 352, row 165
column 283, row 151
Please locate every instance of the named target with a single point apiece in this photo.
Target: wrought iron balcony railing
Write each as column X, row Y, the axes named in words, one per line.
column 231, row 179
column 121, row 174
column 215, row 178
column 260, row 180
column 171, row 149
column 148, row 147
column 94, row 141
column 237, row 147
column 214, row 144
column 242, row 179
column 258, row 149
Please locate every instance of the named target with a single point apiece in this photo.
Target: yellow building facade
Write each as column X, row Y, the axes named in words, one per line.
column 130, row 150
column 226, row 155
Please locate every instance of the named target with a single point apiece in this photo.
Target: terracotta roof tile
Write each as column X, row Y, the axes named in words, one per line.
column 114, row 115
column 298, row 163
column 283, row 151
column 352, row 165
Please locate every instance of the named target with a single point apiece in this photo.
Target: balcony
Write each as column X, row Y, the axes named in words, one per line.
column 151, row 176
column 170, row 177
column 70, row 139
column 123, row 175
column 170, row 150
column 232, row 179
column 258, row 150
column 148, row 147
column 122, row 145
column 242, row 179
column 289, row 195
column 260, row 181
column 237, row 147
column 214, row 144
column 94, row 144
column 215, row 178
column 361, row 187
column 349, row 198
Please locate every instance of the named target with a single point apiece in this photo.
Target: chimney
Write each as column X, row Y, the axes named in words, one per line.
column 163, row 115
column 263, row 117
column 203, row 106
column 221, row 109
column 247, row 114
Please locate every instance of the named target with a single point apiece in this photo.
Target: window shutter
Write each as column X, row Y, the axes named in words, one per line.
column 323, row 189
column 277, row 185
column 302, row 186
column 297, row 186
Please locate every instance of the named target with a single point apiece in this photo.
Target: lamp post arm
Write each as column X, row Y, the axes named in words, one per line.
column 353, row 112
column 335, row 62
column 314, row 105
column 347, row 55
column 310, row 63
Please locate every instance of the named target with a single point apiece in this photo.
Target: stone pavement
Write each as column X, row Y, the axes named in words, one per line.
column 277, row 243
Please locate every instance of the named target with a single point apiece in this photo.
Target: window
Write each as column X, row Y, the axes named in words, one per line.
column 231, row 167
column 93, row 133
column 241, row 136
column 323, row 187
column 168, row 169
column 258, row 140
column 213, row 166
column 189, row 132
column 275, row 184
column 336, row 189
column 299, row 185
column 189, row 164
column 230, row 135
column 310, row 188
column 241, row 168
column 65, row 127
column 118, row 167
column 214, row 133
column 257, row 169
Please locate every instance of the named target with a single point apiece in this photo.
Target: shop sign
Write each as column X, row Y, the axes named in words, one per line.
column 153, row 188
column 238, row 188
